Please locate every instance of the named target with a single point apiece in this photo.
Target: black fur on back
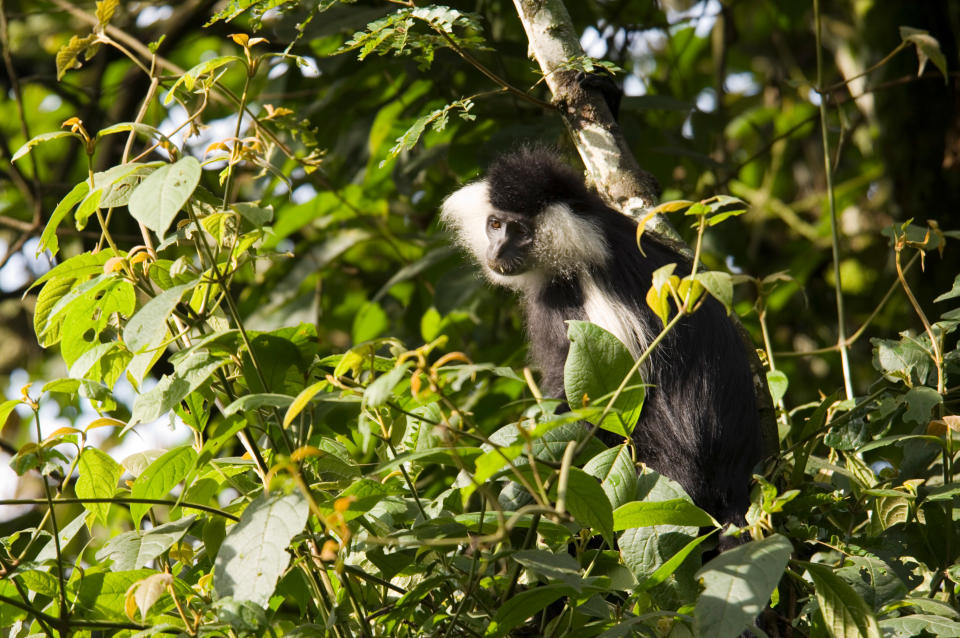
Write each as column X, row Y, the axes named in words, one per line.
column 699, row 424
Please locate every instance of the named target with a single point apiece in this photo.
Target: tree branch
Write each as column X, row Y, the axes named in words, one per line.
column 601, row 144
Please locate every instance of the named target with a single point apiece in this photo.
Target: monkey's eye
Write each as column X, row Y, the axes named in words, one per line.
column 495, row 223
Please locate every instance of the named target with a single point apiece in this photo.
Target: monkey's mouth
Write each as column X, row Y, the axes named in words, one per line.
column 507, row 267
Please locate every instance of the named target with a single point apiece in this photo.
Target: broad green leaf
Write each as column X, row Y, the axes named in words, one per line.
column 254, row 553
column 59, row 283
column 102, row 594
column 927, row 49
column 648, row 513
column 617, row 474
column 160, row 477
column 68, row 57
column 251, row 402
column 44, row 583
column 876, row 581
column 719, row 285
column 87, row 207
column 189, row 79
column 157, row 200
column 189, row 374
column 137, row 462
column 6, row 408
column 588, row 503
column 140, row 128
column 915, row 625
column 596, row 365
column 523, row 606
column 99, row 475
column 149, row 590
column 67, row 533
column 301, row 401
column 953, row 293
column 369, row 322
column 920, row 403
column 671, row 565
column 563, row 566
column 148, row 327
column 378, row 392
column 777, row 381
column 845, row 613
column 133, row 550
column 48, row 239
column 40, row 139
column 737, row 585
column 81, row 267
column 86, row 316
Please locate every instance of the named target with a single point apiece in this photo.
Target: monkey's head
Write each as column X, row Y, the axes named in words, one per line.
column 529, row 219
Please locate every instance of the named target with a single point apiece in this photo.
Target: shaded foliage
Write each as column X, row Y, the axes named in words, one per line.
column 242, row 222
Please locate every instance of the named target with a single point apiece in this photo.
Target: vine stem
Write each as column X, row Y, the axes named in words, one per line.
column 122, row 500
column 832, row 205
column 937, row 356
column 63, row 622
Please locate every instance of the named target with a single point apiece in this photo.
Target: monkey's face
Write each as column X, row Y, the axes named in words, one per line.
column 510, row 238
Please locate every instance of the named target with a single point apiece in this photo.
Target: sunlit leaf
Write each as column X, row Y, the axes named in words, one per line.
column 254, row 553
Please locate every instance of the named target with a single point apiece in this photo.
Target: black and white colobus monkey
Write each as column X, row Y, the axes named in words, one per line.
column 534, row 227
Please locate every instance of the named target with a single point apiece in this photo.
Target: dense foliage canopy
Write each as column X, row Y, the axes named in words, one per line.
column 220, row 222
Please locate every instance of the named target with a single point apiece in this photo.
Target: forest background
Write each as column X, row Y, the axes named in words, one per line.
column 256, row 328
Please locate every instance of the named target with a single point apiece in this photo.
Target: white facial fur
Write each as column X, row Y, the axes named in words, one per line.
column 564, row 242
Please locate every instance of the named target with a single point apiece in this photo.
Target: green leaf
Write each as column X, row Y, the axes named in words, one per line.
column 48, row 238
column 103, row 593
column 91, row 313
column 777, row 381
column 43, row 583
column 145, row 130
column 676, row 511
column 845, row 613
column 617, row 474
column 6, row 408
column 369, row 322
column 99, row 475
column 302, row 399
column 250, row 402
column 915, row 625
column 189, row 79
column 596, row 365
column 671, row 565
column 737, row 586
column 719, row 285
column 588, row 503
column 160, row 477
column 920, row 403
column 148, row 327
column 378, row 392
column 927, row 49
column 254, row 553
column 67, row 533
column 157, row 200
column 133, row 550
column 40, row 139
column 190, row 373
column 953, row 293
column 524, row 605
